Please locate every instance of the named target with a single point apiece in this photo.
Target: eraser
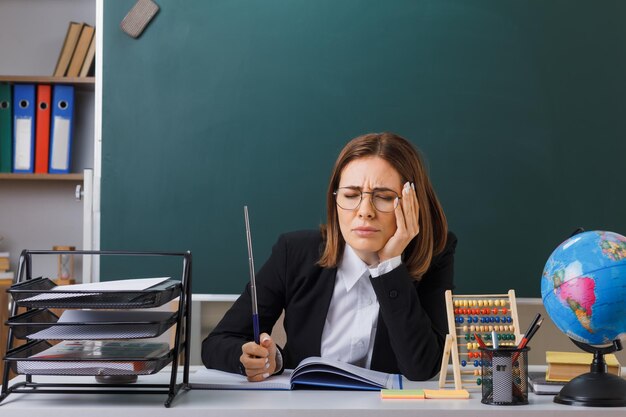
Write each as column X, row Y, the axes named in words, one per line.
column 138, row 17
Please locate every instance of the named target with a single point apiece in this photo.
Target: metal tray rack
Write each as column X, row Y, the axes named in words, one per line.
column 38, row 325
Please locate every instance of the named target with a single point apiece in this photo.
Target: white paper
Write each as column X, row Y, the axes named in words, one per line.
column 139, row 284
column 23, row 143
column 99, row 316
column 67, row 291
column 214, row 379
column 60, row 143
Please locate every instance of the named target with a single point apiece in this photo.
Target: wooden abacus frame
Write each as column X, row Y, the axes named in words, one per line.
column 456, row 331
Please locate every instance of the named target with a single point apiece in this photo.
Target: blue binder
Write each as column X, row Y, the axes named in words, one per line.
column 23, row 127
column 61, row 127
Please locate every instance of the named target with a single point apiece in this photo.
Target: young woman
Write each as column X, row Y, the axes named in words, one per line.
column 366, row 289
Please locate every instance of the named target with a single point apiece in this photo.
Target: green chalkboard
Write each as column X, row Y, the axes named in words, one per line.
column 518, row 106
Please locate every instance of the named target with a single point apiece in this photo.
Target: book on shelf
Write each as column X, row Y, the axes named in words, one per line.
column 67, row 50
column 108, row 355
column 61, row 129
column 6, row 128
column 23, row 128
column 42, row 128
column 563, row 366
column 539, row 385
column 313, row 372
column 89, row 58
column 80, row 52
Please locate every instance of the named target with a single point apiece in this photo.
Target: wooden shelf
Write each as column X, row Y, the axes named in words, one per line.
column 42, row 177
column 82, row 83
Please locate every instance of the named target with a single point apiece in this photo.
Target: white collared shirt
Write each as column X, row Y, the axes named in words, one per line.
column 350, row 327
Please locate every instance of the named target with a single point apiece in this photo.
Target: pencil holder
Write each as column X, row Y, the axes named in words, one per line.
column 505, row 376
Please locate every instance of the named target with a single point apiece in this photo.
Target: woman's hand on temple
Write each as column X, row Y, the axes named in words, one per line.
column 259, row 361
column 407, row 222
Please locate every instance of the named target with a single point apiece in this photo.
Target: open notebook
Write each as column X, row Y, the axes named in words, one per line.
column 311, row 372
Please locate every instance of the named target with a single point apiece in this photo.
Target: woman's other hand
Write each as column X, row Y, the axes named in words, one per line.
column 407, row 222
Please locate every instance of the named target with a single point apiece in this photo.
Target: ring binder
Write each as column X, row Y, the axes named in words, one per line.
column 86, row 327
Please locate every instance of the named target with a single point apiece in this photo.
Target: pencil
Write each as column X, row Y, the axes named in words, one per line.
column 527, row 337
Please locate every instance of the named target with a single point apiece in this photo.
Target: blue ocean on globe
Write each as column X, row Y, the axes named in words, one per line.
column 583, row 287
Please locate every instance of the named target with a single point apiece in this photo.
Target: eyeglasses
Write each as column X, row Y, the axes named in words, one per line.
column 384, row 201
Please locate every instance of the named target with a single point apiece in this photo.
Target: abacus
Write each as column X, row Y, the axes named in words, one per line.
column 484, row 315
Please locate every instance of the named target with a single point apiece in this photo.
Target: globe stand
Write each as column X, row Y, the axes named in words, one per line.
column 596, row 388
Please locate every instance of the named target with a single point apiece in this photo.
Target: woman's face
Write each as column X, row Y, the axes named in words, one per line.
column 366, row 229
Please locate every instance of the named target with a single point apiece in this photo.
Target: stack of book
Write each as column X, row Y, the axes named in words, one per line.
column 563, row 367
column 78, row 51
column 5, row 266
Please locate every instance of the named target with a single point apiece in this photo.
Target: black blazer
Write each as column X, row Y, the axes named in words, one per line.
column 412, row 320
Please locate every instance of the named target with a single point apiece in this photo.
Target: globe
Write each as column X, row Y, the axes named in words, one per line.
column 583, row 287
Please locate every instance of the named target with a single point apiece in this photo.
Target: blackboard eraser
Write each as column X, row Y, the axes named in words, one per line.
column 136, row 20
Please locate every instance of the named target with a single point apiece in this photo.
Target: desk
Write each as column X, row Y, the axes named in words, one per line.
column 203, row 403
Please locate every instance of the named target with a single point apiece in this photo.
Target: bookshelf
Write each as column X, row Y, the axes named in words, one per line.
column 42, row 177
column 32, row 33
column 84, row 83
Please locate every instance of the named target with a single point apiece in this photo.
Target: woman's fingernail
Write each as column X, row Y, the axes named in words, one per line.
column 267, row 365
column 413, row 186
column 264, row 339
column 267, row 360
column 265, row 375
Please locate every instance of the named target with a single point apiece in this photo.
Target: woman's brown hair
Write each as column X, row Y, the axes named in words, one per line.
column 406, row 159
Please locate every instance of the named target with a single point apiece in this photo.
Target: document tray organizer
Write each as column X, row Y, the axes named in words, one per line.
column 38, row 325
column 30, row 324
column 40, row 293
column 23, row 363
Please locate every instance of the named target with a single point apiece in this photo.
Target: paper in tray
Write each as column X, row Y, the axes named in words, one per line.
column 42, row 293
